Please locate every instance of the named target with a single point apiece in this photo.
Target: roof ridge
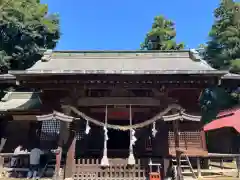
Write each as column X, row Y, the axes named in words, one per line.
column 229, row 111
column 118, row 51
column 196, row 55
column 49, row 54
column 192, row 54
column 124, row 57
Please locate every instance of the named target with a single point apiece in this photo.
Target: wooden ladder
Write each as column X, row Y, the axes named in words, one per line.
column 186, row 166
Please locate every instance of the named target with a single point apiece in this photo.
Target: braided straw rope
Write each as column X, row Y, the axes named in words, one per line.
column 126, row 128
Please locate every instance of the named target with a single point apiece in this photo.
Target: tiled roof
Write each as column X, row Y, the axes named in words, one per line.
column 19, row 101
column 231, row 76
column 120, row 62
column 7, row 77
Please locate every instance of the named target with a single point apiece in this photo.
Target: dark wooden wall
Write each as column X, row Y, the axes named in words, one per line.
column 223, row 141
column 17, row 133
column 159, row 146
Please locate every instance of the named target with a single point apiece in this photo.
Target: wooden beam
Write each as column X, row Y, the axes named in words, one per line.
column 25, row 112
column 24, row 117
column 134, row 110
column 117, row 77
column 99, row 101
column 66, row 86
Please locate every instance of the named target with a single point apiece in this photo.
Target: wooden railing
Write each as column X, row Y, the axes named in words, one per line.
column 217, row 166
column 91, row 169
column 5, row 164
column 5, row 160
column 187, row 140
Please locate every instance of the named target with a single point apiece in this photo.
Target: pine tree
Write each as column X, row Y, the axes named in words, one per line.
column 223, row 49
column 161, row 36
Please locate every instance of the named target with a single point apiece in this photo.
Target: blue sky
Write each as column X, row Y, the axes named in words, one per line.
column 122, row 24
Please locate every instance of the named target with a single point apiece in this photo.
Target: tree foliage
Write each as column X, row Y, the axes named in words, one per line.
column 26, row 29
column 223, row 49
column 161, row 36
column 215, row 99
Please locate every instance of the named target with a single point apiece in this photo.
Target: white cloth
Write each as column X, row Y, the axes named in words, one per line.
column 35, row 156
column 18, row 150
column 3, row 142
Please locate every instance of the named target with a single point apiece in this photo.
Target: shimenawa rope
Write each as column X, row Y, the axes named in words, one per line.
column 125, row 128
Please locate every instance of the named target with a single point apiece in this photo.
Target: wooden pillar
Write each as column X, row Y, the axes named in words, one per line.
column 177, row 146
column 63, row 137
column 238, row 167
column 205, row 162
column 166, row 165
column 198, row 167
column 203, row 140
column 3, row 138
column 71, row 146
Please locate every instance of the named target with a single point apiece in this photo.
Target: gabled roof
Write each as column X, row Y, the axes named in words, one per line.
column 120, row 62
column 7, row 79
column 229, row 119
column 231, row 76
column 15, row 101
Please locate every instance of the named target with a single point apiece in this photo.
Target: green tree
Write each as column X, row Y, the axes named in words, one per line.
column 215, row 99
column 161, row 36
column 26, row 30
column 223, row 49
